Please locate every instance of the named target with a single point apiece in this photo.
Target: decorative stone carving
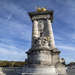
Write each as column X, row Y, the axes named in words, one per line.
column 41, row 17
column 40, row 42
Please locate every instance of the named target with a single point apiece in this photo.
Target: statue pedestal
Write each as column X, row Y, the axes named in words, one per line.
column 43, row 70
column 40, row 70
column 44, row 62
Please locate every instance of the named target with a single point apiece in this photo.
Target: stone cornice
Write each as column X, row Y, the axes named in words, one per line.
column 53, row 51
column 43, row 15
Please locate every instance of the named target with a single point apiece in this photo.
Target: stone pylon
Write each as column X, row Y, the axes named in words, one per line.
column 43, row 56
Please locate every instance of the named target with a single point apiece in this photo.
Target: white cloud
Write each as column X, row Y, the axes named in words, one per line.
column 67, row 52
column 69, row 59
column 10, row 52
column 66, row 47
column 15, row 27
column 14, row 24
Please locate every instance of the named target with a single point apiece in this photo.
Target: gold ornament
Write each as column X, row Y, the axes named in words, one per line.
column 41, row 9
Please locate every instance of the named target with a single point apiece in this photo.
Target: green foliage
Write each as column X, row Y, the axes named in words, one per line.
column 11, row 64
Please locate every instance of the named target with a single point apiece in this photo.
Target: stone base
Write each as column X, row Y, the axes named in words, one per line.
column 43, row 70
column 40, row 71
column 61, row 69
column 43, row 61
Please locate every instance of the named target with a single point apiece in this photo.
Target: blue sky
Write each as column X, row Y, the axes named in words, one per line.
column 16, row 26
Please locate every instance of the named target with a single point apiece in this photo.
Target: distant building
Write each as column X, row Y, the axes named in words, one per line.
column 71, row 68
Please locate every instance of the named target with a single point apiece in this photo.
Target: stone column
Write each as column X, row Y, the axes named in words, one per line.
column 35, row 29
column 35, row 32
column 52, row 43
